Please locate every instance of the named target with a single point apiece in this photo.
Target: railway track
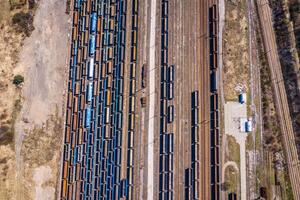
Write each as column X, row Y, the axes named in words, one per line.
column 99, row 137
column 293, row 163
column 214, row 104
column 100, row 130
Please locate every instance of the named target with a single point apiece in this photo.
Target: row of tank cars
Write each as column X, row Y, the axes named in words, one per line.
column 92, row 155
column 166, row 141
column 214, row 104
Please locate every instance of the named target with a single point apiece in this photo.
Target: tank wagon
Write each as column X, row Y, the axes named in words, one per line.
column 94, row 121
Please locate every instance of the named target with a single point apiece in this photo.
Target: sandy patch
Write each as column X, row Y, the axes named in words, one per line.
column 39, row 132
column 41, row 175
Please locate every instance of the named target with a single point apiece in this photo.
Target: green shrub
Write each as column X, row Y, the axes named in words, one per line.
column 23, row 22
column 18, row 79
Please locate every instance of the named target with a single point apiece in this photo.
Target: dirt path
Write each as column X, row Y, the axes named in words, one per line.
column 233, row 113
column 43, row 63
column 150, row 163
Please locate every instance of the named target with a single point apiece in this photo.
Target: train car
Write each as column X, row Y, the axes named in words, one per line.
column 170, row 91
column 165, row 9
column 195, row 99
column 87, row 117
column 171, row 135
column 133, row 71
column 75, row 18
column 64, row 188
column 119, row 121
column 130, row 139
column 134, row 38
column 112, row 9
column 90, row 91
column 132, row 86
column 65, row 169
column 82, row 86
column 79, row 55
column 92, row 45
column 121, row 88
column 109, row 67
column 131, row 104
column 109, row 82
column 164, row 73
column 110, row 39
column 171, row 73
column 86, row 37
column 99, row 25
column 121, row 72
column 107, row 115
column 111, row 25
column 165, row 24
column 134, row 53
column 214, row 102
column 195, row 135
column 91, row 68
column 75, row 104
column 135, row 22
column 108, row 97
column 85, row 51
column 77, row 88
column 170, row 114
column 163, row 90
column 213, row 45
column 70, row 97
column 77, row 73
column 130, row 156
column 131, row 122
column 74, row 33
column 96, row 70
column 213, row 81
column 110, row 53
column 213, row 13
column 135, row 7
column 123, row 39
column 98, row 42
column 164, row 57
column 93, row 22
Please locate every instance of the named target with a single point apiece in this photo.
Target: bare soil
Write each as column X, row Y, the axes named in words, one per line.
column 33, row 114
column 10, row 45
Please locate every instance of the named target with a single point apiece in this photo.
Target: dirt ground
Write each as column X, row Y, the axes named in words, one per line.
column 30, row 167
column 10, row 44
column 235, row 49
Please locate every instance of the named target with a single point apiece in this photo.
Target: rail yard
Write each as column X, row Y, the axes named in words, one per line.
column 110, row 151
column 149, row 99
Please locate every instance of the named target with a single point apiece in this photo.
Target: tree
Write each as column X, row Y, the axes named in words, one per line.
column 23, row 22
column 18, row 79
column 31, row 4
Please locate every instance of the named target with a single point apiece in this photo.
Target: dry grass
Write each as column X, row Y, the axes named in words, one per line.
column 233, row 153
column 235, row 48
column 232, row 180
column 44, row 140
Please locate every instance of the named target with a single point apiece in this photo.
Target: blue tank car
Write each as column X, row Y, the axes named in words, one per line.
column 93, row 22
column 92, row 45
column 87, row 117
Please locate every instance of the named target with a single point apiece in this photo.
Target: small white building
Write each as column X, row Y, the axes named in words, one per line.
column 246, row 125
column 242, row 98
